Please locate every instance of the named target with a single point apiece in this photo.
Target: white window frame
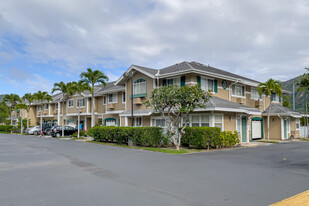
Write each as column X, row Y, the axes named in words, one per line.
column 45, row 107
column 137, row 87
column 69, row 103
column 222, row 121
column 157, row 118
column 244, row 91
column 276, row 98
column 114, row 101
column 255, row 92
column 39, row 108
column 104, row 97
column 205, row 84
column 176, row 81
column 135, row 121
column 78, row 102
column 297, row 121
column 123, row 97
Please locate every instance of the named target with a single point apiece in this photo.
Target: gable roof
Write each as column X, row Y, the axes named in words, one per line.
column 277, row 109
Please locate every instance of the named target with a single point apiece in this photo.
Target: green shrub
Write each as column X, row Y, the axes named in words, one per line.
column 206, row 137
column 142, row 136
column 6, row 128
column 74, row 135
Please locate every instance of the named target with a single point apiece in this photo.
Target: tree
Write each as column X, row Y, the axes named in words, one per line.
column 174, row 103
column 269, row 88
column 286, row 101
column 41, row 97
column 20, row 107
column 303, row 86
column 4, row 112
column 29, row 98
column 11, row 100
column 92, row 78
column 79, row 87
column 66, row 91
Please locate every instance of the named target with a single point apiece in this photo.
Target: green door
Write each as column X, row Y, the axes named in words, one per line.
column 284, row 129
column 244, row 129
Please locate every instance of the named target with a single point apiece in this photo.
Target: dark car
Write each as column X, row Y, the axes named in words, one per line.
column 56, row 131
column 47, row 131
column 46, row 127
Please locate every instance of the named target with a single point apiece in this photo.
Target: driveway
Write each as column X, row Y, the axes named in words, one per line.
column 41, row 171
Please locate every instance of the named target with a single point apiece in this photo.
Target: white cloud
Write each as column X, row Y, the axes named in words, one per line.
column 259, row 38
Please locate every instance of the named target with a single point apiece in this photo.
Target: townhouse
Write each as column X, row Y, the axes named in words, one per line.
column 235, row 103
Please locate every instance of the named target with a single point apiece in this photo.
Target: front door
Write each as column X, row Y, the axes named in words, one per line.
column 285, row 133
column 243, row 129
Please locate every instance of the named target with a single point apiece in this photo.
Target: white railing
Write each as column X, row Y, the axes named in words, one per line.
column 304, row 131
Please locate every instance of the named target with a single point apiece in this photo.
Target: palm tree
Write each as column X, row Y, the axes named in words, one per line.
column 41, row 97
column 270, row 87
column 20, row 107
column 79, row 87
column 66, row 91
column 29, row 98
column 12, row 100
column 92, row 78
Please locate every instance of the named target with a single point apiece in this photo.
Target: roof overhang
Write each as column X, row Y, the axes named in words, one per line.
column 126, row 75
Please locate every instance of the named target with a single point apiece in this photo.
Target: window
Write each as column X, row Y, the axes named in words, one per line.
column 297, row 124
column 186, row 120
column 137, row 121
column 238, row 90
column 202, row 120
column 123, row 97
column 112, row 98
column 46, row 106
column 104, row 100
column 71, row 103
column 39, row 108
column 80, row 102
column 139, row 86
column 56, row 106
column 174, row 81
column 158, row 123
column 254, row 94
column 207, row 84
column 218, row 120
column 275, row 97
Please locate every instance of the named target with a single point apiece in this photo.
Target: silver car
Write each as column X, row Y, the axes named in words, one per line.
column 34, row 130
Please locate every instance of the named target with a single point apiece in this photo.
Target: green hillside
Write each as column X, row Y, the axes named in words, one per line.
column 299, row 96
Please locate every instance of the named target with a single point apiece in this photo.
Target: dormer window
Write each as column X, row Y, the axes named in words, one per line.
column 139, row 86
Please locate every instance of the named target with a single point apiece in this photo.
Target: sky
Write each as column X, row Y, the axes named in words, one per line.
column 48, row 41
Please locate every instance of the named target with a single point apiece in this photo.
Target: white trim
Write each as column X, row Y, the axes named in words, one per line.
column 87, row 104
column 128, row 71
column 109, row 91
column 86, row 114
column 135, row 115
column 191, row 83
column 125, row 85
column 58, row 115
column 115, row 112
column 126, row 121
column 105, row 99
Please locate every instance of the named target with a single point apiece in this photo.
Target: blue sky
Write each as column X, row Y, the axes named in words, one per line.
column 43, row 42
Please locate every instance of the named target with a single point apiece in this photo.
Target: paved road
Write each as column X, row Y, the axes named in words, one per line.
column 39, row 171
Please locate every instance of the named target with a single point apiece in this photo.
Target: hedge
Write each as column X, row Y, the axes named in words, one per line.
column 6, row 128
column 141, row 136
column 206, row 137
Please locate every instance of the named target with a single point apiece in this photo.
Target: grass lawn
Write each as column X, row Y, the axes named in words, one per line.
column 154, row 149
column 265, row 141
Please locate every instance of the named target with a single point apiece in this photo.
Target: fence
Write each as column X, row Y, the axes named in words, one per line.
column 304, row 131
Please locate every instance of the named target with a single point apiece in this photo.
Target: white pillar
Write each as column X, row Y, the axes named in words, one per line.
column 126, row 121
column 48, row 109
column 86, row 123
column 58, row 119
column 87, row 105
column 212, row 123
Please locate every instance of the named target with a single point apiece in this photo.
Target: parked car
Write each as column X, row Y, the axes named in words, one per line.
column 47, row 131
column 34, row 130
column 47, row 126
column 56, row 131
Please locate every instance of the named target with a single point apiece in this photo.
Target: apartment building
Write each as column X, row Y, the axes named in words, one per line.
column 235, row 103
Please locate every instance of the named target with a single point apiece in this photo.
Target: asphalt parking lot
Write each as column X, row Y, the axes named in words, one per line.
column 41, row 171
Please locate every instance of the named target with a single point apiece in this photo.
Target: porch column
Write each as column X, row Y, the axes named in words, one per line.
column 126, row 121
column 48, row 109
column 86, row 123
column 212, row 123
column 58, row 119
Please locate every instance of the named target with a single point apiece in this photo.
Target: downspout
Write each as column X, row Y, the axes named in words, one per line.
column 238, row 80
column 158, row 81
